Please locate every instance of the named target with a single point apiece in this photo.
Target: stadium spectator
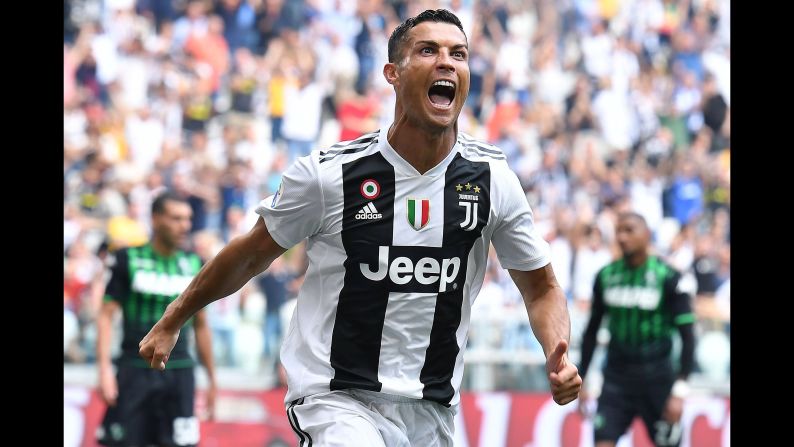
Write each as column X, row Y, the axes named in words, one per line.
column 275, row 284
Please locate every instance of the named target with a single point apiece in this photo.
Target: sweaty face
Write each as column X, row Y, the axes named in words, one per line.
column 173, row 225
column 632, row 236
column 433, row 74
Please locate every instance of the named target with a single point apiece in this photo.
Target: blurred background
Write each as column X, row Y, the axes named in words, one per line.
column 600, row 106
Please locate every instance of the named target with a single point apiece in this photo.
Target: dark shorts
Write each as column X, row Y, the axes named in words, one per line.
column 619, row 404
column 153, row 407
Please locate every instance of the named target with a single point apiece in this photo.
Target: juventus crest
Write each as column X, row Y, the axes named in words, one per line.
column 469, row 201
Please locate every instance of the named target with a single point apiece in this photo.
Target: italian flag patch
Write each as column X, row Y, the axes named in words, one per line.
column 418, row 213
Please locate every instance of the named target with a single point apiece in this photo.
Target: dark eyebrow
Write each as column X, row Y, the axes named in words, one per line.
column 433, row 43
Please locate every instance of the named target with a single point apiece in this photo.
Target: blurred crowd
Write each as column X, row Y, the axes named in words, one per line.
column 599, row 105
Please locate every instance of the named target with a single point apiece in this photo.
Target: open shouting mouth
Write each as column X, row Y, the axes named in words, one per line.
column 441, row 93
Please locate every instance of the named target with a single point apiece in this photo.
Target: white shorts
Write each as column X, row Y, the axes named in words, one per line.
column 353, row 418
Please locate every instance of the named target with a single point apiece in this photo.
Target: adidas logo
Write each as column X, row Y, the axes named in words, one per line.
column 369, row 212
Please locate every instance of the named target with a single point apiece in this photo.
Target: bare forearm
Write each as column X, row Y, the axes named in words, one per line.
column 238, row 262
column 546, row 306
column 104, row 325
column 548, row 316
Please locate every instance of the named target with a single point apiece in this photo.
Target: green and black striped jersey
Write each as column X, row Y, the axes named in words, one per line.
column 144, row 283
column 644, row 305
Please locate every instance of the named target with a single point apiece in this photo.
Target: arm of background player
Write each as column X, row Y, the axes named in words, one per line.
column 117, row 290
column 687, row 332
column 590, row 334
column 548, row 316
column 108, row 388
column 243, row 258
column 204, row 348
column 684, row 319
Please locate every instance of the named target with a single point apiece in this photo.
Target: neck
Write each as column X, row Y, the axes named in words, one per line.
column 420, row 146
column 637, row 259
column 161, row 248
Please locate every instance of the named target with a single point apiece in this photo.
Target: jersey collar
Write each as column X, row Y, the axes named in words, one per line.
column 402, row 164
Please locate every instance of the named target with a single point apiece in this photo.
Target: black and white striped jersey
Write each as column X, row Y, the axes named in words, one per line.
column 396, row 259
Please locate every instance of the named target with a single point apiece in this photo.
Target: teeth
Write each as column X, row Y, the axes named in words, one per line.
column 444, row 84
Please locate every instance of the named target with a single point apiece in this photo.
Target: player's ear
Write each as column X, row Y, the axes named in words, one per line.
column 391, row 74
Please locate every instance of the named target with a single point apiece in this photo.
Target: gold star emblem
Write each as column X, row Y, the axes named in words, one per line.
column 477, row 189
column 468, row 186
column 458, row 188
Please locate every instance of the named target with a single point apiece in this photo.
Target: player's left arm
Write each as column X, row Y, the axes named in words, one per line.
column 204, row 347
column 548, row 316
column 683, row 319
column 525, row 254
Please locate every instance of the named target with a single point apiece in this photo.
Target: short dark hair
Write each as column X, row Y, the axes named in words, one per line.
column 633, row 215
column 400, row 34
column 158, row 205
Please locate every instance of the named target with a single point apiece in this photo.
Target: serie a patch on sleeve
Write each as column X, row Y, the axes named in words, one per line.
column 278, row 194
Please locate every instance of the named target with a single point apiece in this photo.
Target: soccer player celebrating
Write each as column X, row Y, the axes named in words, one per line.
column 398, row 225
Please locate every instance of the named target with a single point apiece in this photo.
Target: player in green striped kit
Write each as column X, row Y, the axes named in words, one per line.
column 145, row 406
column 645, row 305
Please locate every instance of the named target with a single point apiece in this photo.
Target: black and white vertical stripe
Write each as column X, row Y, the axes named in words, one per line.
column 360, row 313
column 443, row 350
column 362, row 306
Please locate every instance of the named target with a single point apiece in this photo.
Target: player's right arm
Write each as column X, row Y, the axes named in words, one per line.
column 243, row 258
column 294, row 213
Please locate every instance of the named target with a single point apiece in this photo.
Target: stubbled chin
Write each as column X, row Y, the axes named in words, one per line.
column 441, row 121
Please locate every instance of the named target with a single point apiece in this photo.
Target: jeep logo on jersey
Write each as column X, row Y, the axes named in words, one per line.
column 403, row 270
column 418, row 212
column 370, row 189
